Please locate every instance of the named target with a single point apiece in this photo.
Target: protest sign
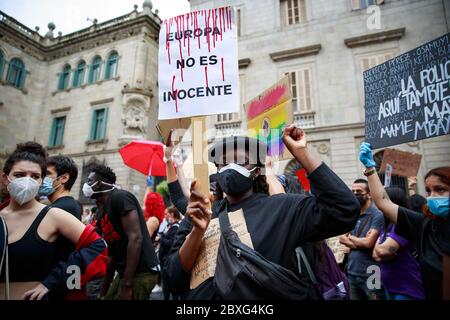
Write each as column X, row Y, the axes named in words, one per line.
column 404, row 164
column 387, row 176
column 268, row 114
column 205, row 265
column 165, row 126
column 407, row 98
column 198, row 64
column 338, row 249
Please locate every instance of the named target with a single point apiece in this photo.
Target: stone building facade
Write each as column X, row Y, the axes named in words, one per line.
column 88, row 93
column 325, row 46
column 84, row 94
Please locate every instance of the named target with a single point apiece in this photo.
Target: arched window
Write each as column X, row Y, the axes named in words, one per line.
column 111, row 65
column 78, row 75
column 64, row 78
column 94, row 71
column 16, row 73
column 2, row 64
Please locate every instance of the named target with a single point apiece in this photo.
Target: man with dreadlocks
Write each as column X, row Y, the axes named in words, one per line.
column 277, row 224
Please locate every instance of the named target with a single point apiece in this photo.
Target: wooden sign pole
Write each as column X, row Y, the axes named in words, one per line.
column 199, row 147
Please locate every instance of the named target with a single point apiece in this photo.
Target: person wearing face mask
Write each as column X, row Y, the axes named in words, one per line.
column 62, row 172
column 35, row 268
column 361, row 241
column 430, row 230
column 61, row 175
column 120, row 220
column 277, row 224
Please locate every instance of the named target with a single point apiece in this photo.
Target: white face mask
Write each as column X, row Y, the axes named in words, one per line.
column 23, row 190
column 89, row 192
column 242, row 170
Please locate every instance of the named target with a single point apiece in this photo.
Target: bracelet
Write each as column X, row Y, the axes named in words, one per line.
column 369, row 172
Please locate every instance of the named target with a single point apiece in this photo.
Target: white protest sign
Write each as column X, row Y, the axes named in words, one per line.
column 198, row 64
column 387, row 176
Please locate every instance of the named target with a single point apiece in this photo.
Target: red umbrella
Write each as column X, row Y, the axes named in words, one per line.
column 145, row 157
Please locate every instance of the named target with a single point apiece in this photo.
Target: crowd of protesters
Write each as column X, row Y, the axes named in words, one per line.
column 398, row 242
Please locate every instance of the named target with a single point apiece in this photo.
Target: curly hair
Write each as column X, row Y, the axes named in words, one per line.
column 28, row 151
column 105, row 173
column 154, row 206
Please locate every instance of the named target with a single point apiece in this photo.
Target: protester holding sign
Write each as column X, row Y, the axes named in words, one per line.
column 430, row 231
column 400, row 272
column 297, row 218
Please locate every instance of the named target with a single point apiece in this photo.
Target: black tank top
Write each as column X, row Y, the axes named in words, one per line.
column 31, row 258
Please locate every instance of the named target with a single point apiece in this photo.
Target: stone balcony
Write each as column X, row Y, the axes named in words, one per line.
column 228, row 129
column 305, row 120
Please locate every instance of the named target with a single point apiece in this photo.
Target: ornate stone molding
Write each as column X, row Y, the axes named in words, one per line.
column 244, row 63
column 59, row 110
column 372, row 38
column 103, row 101
column 146, row 92
column 134, row 117
column 107, row 32
column 295, row 53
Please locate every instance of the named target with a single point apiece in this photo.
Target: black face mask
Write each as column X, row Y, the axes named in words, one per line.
column 234, row 183
column 361, row 198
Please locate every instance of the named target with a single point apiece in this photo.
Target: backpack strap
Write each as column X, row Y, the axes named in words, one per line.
column 5, row 257
column 302, row 257
column 224, row 221
column 361, row 228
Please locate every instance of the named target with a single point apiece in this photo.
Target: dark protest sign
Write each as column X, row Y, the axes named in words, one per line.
column 407, row 98
column 404, row 164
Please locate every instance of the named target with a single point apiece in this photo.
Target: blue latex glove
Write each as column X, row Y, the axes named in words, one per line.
column 149, row 181
column 365, row 155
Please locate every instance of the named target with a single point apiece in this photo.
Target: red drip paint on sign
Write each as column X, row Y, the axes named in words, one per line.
column 206, row 76
column 223, row 71
column 175, row 92
column 167, row 39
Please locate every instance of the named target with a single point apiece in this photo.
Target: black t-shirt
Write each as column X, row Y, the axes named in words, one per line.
column 119, row 204
column 277, row 225
column 433, row 241
column 65, row 246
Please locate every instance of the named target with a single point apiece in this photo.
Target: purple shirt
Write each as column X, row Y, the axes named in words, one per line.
column 401, row 275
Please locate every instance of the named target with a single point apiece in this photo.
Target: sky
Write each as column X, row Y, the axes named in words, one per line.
column 73, row 15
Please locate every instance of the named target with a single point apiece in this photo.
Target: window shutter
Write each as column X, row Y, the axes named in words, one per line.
column 21, row 78
column 91, row 74
column 60, row 131
column 93, row 125
column 108, row 69
column 104, row 123
column 302, row 8
column 51, row 138
column 308, row 102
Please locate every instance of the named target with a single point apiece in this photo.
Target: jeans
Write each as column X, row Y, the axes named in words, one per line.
column 360, row 291
column 396, row 296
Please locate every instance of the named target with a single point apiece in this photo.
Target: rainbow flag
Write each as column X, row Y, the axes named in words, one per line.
column 268, row 114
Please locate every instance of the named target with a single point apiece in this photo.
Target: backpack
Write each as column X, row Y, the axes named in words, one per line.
column 243, row 273
column 325, row 274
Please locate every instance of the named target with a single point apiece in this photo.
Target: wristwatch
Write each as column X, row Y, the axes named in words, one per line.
column 369, row 172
